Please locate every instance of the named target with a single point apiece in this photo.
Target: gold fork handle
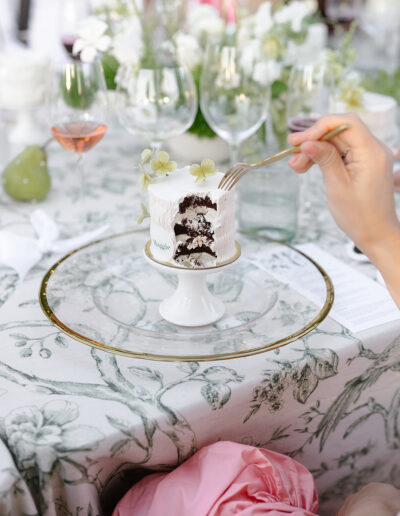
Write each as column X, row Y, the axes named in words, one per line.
column 292, row 150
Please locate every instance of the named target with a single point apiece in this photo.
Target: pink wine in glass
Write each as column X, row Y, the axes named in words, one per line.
column 301, row 123
column 79, row 136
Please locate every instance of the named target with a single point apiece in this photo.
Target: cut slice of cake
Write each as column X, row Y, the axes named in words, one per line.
column 191, row 224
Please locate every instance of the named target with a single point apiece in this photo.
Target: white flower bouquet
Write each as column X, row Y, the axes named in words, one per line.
column 128, row 34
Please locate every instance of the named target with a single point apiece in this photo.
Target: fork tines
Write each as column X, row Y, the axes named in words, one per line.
column 232, row 176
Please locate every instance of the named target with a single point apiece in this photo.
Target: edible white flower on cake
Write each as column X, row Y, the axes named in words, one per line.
column 145, row 180
column 91, row 39
column 201, row 172
column 162, row 165
column 144, row 214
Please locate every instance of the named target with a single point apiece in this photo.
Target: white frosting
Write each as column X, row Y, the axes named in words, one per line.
column 379, row 114
column 23, row 78
column 164, row 199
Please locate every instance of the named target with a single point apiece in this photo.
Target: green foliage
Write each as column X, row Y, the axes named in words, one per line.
column 110, row 68
column 341, row 59
column 200, row 127
column 277, row 88
column 384, row 83
column 77, row 92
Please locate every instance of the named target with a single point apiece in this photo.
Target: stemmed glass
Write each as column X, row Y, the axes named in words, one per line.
column 157, row 103
column 232, row 100
column 308, row 98
column 77, row 111
column 308, row 95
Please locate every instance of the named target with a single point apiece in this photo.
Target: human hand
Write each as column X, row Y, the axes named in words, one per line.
column 396, row 175
column 358, row 176
column 371, row 500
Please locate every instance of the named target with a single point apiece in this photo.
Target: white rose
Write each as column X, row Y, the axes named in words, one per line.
column 294, row 13
column 127, row 45
column 266, row 72
column 212, row 27
column 188, row 50
column 98, row 5
column 263, row 19
column 200, row 13
column 205, row 19
column 250, row 53
column 91, row 39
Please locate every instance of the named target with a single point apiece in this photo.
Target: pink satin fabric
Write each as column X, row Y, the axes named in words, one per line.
column 225, row 479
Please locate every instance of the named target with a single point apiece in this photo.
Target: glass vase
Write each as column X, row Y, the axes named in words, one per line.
column 268, row 198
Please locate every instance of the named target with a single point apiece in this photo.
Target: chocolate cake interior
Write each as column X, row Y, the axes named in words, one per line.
column 193, row 230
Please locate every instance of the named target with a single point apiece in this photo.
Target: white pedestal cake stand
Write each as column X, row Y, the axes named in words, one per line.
column 192, row 304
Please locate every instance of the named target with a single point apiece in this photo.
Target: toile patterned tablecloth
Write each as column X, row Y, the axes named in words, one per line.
column 77, row 425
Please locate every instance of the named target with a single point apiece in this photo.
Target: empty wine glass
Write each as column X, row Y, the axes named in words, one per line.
column 308, row 95
column 232, row 98
column 309, row 90
column 77, row 111
column 157, row 103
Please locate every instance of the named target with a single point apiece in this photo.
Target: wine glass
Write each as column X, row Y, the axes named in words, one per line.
column 77, row 106
column 308, row 95
column 233, row 100
column 157, row 103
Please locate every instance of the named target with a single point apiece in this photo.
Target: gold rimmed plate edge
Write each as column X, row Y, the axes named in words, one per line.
column 323, row 313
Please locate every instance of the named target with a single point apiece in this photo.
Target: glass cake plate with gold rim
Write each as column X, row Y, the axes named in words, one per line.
column 106, row 295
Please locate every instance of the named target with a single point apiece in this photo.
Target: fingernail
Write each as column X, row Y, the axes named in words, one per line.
column 309, row 149
column 293, row 160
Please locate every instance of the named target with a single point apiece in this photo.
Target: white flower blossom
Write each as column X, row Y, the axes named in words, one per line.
column 188, row 50
column 200, row 13
column 263, row 19
column 294, row 13
column 127, row 45
column 98, row 5
column 249, row 54
column 205, row 20
column 266, row 72
column 91, row 39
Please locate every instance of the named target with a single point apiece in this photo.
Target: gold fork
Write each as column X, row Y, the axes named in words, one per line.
column 232, row 176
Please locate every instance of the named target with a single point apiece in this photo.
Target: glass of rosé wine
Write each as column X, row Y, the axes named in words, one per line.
column 77, row 111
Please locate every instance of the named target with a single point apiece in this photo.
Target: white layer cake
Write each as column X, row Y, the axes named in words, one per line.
column 191, row 224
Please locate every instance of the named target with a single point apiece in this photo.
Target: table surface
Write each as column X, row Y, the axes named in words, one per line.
column 75, row 421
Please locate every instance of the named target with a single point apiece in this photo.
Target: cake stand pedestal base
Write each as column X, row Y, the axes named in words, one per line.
column 192, row 303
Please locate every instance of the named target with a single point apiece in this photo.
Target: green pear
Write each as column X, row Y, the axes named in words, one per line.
column 26, row 177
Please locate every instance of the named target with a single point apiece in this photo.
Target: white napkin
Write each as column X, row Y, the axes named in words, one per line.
column 22, row 253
